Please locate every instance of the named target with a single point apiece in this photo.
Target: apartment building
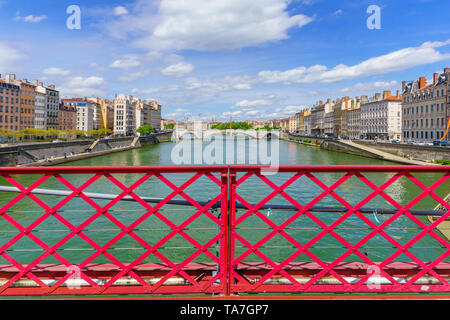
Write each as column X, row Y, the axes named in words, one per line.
column 425, row 108
column 24, row 103
column 381, row 116
column 300, row 121
column 307, row 122
column 85, row 113
column 40, row 107
column 293, row 125
column 329, row 118
column 155, row 114
column 354, row 118
column 97, row 113
column 9, row 106
column 318, row 119
column 52, row 107
column 124, row 115
column 337, row 111
column 67, row 117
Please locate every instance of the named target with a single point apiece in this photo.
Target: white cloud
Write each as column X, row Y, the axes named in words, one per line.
column 211, row 87
column 261, row 114
column 83, row 87
column 395, row 61
column 178, row 114
column 371, row 86
column 254, row 103
column 31, row 18
column 56, row 72
column 208, row 25
column 338, row 12
column 9, row 56
column 120, row 11
column 128, row 62
column 133, row 76
column 178, row 70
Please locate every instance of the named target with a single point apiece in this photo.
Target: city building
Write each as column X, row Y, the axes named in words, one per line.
column 425, row 108
column 354, row 118
column 24, row 103
column 293, row 125
column 9, row 93
column 337, row 112
column 155, row 115
column 52, row 107
column 67, row 117
column 124, row 115
column 329, row 118
column 307, row 122
column 318, row 119
column 85, row 113
column 98, row 115
column 40, row 107
column 381, row 116
column 300, row 122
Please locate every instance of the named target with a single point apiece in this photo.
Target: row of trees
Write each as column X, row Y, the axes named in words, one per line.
column 241, row 126
column 234, row 126
column 41, row 134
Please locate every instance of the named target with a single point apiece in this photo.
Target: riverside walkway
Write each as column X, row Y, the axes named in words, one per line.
column 385, row 155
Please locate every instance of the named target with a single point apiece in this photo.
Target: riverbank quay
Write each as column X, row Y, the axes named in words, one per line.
column 397, row 153
column 48, row 154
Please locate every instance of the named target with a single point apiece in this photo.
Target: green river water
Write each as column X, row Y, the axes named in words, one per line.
column 153, row 229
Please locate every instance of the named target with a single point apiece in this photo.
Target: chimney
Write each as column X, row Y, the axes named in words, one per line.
column 403, row 86
column 41, row 84
column 36, row 83
column 386, row 94
column 435, row 78
column 377, row 96
column 398, row 93
column 447, row 70
column 422, row 82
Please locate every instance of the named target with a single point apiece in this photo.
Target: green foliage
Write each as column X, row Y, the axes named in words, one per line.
column 145, row 129
column 234, row 126
column 169, row 126
column 443, row 162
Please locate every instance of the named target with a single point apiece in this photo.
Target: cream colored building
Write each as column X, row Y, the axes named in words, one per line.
column 124, row 115
column 425, row 108
column 381, row 116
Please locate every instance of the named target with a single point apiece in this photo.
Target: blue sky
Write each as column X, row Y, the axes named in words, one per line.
column 215, row 58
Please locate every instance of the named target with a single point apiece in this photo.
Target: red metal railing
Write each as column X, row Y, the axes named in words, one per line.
column 233, row 243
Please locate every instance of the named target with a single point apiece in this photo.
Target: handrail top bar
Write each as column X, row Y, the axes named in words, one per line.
column 222, row 168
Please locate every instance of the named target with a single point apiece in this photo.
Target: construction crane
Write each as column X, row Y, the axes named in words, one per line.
column 448, row 125
column 104, row 111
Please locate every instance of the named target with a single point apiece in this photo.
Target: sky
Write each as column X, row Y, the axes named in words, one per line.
column 212, row 59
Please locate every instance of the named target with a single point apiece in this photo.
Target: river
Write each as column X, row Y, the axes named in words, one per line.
column 303, row 229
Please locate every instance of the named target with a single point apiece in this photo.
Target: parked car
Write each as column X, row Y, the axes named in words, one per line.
column 395, row 141
column 443, row 143
column 436, row 143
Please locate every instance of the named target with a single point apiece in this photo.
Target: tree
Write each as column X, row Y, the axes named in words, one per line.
column 145, row 129
column 169, row 126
